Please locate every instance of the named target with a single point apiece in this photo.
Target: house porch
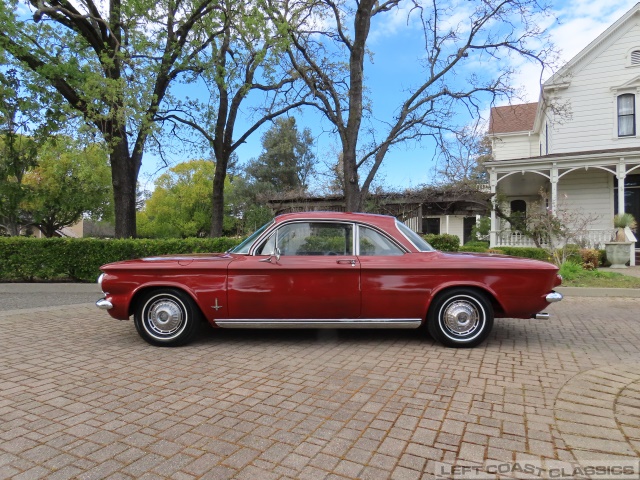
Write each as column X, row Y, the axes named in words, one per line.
column 599, row 183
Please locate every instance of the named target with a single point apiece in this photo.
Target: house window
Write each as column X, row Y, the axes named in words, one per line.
column 546, row 139
column 626, row 115
column 431, row 225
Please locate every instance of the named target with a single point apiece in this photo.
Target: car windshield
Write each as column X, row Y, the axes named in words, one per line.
column 246, row 244
column 419, row 242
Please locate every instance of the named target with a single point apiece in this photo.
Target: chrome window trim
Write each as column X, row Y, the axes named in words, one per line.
column 402, row 248
column 267, row 233
column 410, row 241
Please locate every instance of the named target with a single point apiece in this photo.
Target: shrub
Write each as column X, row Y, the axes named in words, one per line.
column 572, row 253
column 79, row 259
column 444, row 242
column 477, row 243
column 524, row 252
column 570, row 270
column 590, row 258
column 472, row 248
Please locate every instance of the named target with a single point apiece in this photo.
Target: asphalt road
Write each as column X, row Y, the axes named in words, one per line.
column 17, row 296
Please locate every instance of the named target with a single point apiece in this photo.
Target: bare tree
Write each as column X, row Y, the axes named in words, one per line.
column 246, row 58
column 329, row 51
column 462, row 156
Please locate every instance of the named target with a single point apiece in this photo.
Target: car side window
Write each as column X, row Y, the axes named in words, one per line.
column 373, row 243
column 315, row 238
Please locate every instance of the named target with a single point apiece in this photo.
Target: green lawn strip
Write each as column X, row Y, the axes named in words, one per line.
column 599, row 279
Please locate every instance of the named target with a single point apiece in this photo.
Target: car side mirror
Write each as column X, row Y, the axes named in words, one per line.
column 275, row 253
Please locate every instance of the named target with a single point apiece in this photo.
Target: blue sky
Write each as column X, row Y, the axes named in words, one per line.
column 396, row 49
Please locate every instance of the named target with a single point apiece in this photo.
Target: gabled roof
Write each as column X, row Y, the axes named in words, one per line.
column 512, row 118
column 559, row 76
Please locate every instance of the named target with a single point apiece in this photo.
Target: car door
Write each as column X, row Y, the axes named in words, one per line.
column 304, row 270
column 394, row 283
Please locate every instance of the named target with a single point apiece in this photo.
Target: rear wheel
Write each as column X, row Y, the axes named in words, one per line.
column 461, row 317
column 166, row 317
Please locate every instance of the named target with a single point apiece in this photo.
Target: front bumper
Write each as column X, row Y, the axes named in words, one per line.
column 104, row 304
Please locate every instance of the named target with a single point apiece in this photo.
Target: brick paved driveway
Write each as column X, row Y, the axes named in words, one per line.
column 81, row 396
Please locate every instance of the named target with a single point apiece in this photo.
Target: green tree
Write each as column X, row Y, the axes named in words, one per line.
column 287, row 160
column 70, row 180
column 25, row 124
column 114, row 63
column 286, row 164
column 329, row 51
column 180, row 205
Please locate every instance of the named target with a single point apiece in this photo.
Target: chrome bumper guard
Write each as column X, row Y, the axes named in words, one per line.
column 104, row 304
column 554, row 297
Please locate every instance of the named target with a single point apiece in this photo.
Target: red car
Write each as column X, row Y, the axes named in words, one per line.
column 328, row 270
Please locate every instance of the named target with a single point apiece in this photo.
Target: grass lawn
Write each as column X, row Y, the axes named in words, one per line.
column 576, row 277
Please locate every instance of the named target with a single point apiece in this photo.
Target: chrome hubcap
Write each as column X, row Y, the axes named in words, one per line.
column 461, row 317
column 165, row 316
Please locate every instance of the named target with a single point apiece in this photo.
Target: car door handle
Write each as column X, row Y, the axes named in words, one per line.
column 347, row 262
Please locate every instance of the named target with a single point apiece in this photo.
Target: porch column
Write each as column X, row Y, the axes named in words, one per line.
column 621, row 174
column 493, row 183
column 554, row 188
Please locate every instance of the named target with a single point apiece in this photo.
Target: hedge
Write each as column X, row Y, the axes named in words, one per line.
column 24, row 259
column 443, row 242
column 473, row 249
column 525, row 252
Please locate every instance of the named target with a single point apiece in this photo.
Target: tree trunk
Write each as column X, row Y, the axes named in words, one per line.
column 124, row 174
column 217, row 202
column 352, row 193
column 362, row 22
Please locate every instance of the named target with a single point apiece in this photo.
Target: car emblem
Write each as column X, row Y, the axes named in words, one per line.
column 216, row 307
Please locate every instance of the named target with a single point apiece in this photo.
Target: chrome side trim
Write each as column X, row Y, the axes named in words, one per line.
column 554, row 297
column 319, row 323
column 541, row 316
column 104, row 304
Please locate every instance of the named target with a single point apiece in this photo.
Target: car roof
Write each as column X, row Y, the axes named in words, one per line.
column 385, row 223
column 370, row 218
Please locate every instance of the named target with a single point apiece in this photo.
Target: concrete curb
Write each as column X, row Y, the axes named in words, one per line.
column 599, row 292
column 49, row 288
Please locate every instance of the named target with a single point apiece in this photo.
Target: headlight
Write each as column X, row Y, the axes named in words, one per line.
column 100, row 278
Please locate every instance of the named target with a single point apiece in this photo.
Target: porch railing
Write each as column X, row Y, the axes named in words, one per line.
column 590, row 239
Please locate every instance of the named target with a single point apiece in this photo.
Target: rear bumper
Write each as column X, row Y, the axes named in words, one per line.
column 554, row 297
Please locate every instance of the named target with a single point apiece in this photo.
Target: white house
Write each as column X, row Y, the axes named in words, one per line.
column 580, row 142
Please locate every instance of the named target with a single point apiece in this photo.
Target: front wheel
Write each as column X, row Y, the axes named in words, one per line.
column 166, row 317
column 460, row 317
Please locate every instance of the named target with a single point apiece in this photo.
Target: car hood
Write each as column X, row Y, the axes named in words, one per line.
column 209, row 260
